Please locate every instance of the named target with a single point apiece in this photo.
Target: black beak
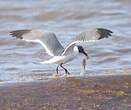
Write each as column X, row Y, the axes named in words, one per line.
column 86, row 55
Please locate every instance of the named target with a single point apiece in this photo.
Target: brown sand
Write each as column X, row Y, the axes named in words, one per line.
column 101, row 93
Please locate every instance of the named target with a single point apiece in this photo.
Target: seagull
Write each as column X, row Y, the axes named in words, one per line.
column 53, row 47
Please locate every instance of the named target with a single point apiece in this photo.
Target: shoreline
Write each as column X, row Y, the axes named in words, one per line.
column 44, row 79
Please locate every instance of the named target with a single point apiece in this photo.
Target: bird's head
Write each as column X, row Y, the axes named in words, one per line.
column 81, row 50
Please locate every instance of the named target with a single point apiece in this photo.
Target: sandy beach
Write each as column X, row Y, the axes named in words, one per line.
column 96, row 93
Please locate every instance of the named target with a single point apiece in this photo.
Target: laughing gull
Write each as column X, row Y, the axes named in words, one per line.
column 61, row 55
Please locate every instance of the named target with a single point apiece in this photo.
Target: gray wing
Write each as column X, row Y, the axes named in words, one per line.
column 89, row 35
column 47, row 39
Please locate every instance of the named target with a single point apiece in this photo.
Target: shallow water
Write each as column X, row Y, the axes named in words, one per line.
column 19, row 60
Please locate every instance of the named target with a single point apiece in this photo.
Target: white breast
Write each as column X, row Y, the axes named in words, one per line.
column 63, row 59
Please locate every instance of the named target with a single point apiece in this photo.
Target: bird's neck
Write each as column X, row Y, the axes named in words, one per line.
column 76, row 50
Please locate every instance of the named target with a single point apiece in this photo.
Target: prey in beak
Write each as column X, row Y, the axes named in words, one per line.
column 87, row 57
column 81, row 50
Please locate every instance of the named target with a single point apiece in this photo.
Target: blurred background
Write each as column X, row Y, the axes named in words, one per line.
column 19, row 60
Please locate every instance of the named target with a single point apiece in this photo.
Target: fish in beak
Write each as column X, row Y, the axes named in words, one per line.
column 87, row 57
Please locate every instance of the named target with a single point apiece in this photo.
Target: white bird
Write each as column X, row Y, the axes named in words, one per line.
column 61, row 55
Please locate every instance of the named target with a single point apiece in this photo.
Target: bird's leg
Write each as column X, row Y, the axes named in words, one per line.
column 57, row 69
column 64, row 69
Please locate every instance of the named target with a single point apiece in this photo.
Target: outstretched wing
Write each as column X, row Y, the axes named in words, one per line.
column 47, row 39
column 89, row 35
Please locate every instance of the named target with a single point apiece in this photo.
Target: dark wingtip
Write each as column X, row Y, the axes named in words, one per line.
column 14, row 34
column 104, row 33
column 19, row 33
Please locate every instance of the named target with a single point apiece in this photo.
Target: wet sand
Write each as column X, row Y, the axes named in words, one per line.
column 94, row 93
column 67, row 19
